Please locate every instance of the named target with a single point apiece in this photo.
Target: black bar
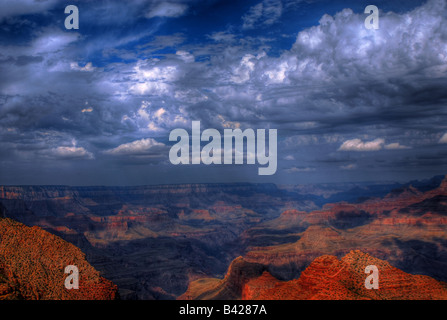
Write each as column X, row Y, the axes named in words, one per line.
column 167, row 310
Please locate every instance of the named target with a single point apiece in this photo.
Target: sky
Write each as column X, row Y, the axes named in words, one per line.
column 96, row 105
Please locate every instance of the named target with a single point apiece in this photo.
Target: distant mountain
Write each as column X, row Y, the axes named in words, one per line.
column 359, row 191
column 32, row 265
column 326, row 278
column 426, row 184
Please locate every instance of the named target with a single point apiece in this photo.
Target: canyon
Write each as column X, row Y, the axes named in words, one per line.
column 154, row 242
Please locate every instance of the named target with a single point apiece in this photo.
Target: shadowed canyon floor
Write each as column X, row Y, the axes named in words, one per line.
column 154, row 241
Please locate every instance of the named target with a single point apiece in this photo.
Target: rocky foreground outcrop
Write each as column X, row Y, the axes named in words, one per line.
column 326, row 278
column 32, row 265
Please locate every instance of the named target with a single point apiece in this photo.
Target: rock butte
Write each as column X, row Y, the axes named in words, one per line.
column 326, row 278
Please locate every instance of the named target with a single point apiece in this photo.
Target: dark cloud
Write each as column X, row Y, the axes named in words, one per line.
column 111, row 92
column 12, row 8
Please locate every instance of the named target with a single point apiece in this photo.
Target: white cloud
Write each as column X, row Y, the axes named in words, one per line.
column 89, row 109
column 242, row 72
column 264, row 13
column 88, row 67
column 185, row 56
column 443, row 138
column 153, row 79
column 228, row 124
column 341, row 50
column 359, row 145
column 167, row 9
column 155, row 118
column 375, row 145
column 71, row 153
column 404, row 42
column 138, row 147
column 53, row 40
column 159, row 113
column 253, row 15
column 222, row 36
column 396, row 146
column 279, row 73
column 190, row 96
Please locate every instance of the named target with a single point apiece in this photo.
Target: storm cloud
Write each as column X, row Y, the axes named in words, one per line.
column 345, row 100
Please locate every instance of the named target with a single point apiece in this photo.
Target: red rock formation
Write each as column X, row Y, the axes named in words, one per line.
column 254, row 288
column 326, row 278
column 32, row 265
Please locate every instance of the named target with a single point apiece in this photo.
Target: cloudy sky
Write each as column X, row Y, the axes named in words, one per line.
column 95, row 106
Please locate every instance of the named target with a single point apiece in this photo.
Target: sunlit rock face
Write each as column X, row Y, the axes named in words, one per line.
column 32, row 265
column 326, row 278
